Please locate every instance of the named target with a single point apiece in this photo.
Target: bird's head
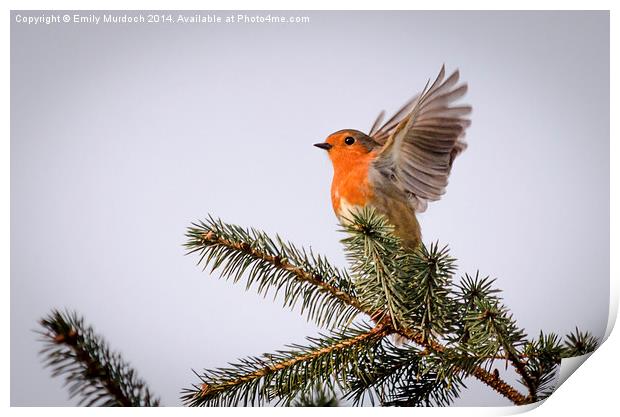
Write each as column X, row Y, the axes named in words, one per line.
column 348, row 146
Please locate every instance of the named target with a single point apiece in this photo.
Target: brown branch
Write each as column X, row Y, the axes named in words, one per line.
column 520, row 367
column 516, row 363
column 93, row 370
column 481, row 374
column 285, row 265
column 377, row 332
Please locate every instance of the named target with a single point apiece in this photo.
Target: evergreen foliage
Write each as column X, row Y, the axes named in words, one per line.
column 318, row 397
column 399, row 331
column 98, row 376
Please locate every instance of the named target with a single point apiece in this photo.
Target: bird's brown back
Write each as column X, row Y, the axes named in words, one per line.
column 393, row 203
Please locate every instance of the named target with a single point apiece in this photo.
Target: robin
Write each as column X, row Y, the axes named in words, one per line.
column 399, row 167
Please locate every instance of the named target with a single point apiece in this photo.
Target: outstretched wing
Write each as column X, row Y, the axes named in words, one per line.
column 418, row 153
column 380, row 134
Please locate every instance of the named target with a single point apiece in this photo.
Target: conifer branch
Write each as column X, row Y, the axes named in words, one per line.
column 377, row 263
column 544, row 355
column 326, row 293
column 432, row 303
column 317, row 397
column 94, row 373
column 404, row 376
column 579, row 343
column 502, row 331
column 488, row 378
column 234, row 249
column 254, row 381
column 489, row 329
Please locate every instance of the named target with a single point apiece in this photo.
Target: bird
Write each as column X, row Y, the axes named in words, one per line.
column 400, row 166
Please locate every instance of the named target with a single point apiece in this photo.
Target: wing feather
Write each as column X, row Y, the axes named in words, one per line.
column 422, row 139
column 375, row 125
column 380, row 134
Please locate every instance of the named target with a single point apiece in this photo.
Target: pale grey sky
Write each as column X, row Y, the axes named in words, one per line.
column 122, row 135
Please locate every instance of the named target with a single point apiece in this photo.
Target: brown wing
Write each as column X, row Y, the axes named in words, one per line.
column 421, row 147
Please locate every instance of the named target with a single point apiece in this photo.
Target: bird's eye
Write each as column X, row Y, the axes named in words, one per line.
column 349, row 140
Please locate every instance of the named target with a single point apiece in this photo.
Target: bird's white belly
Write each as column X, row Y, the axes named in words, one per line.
column 346, row 210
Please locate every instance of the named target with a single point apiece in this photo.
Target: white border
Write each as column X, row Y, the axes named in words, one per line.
column 590, row 390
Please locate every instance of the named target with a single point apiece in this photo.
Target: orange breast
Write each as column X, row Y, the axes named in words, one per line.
column 350, row 184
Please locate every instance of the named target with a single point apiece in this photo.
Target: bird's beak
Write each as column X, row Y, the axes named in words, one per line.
column 323, row 145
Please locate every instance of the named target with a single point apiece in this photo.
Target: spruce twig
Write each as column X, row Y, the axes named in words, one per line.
column 92, row 372
column 325, row 292
column 257, row 380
